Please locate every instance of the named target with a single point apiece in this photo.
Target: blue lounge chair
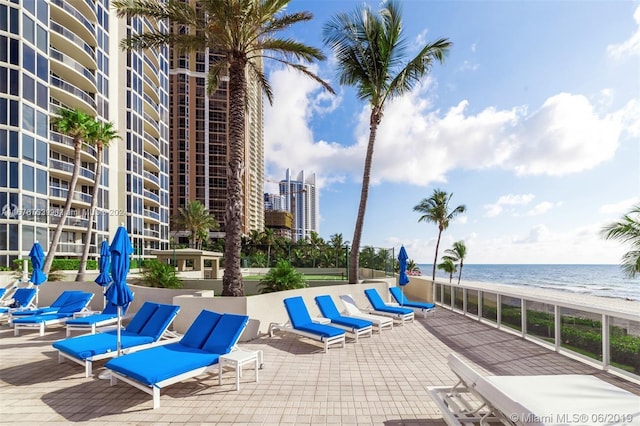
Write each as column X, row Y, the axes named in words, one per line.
column 300, row 323
column 359, row 327
column 93, row 323
column 380, row 308
column 145, row 329
column 423, row 307
column 55, row 306
column 22, row 298
column 77, row 302
column 198, row 351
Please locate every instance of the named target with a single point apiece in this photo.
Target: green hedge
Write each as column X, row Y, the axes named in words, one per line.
column 59, row 264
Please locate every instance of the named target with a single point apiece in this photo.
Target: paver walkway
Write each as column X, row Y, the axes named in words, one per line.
column 378, row 381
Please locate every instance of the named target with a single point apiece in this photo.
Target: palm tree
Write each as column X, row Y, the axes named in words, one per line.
column 627, row 230
column 436, row 209
column 457, row 253
column 413, row 268
column 241, row 33
column 448, row 266
column 369, row 49
column 195, row 218
column 337, row 244
column 100, row 136
column 77, row 125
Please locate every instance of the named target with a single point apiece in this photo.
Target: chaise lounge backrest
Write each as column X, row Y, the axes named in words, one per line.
column 158, row 322
column 398, row 295
column 24, row 296
column 200, row 330
column 225, row 334
column 374, row 298
column 75, row 302
column 327, row 307
column 297, row 311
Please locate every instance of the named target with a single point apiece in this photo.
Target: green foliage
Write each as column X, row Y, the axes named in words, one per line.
column 58, row 265
column 282, row 277
column 158, row 274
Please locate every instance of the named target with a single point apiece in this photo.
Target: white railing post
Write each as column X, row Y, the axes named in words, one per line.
column 523, row 316
column 498, row 309
column 480, row 296
column 556, row 327
column 606, row 354
column 464, row 301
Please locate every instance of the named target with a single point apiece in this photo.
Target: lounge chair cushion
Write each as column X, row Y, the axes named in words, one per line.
column 37, row 319
column 397, row 294
column 225, row 334
column 329, row 310
column 199, row 331
column 320, row 329
column 75, row 303
column 54, row 307
column 378, row 304
column 141, row 317
column 91, row 319
column 156, row 325
column 298, row 313
column 84, row 347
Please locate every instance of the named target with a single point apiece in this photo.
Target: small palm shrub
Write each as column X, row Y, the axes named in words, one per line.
column 158, row 274
column 282, row 277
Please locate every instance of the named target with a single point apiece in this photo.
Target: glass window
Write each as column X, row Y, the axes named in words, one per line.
column 28, row 31
column 28, row 236
column 43, row 68
column 30, row 5
column 14, row 22
column 3, row 237
column 3, row 111
column 3, row 177
column 42, row 13
column 28, row 87
column 43, row 96
column 41, row 152
column 41, row 181
column 43, row 44
column 13, row 175
column 28, row 59
column 14, row 52
column 41, row 206
column 41, row 124
column 3, row 80
column 41, row 233
column 4, row 22
column 3, row 142
column 14, row 79
column 13, row 236
column 13, row 113
column 28, row 147
column 28, row 118
column 3, row 49
column 28, row 206
column 13, row 144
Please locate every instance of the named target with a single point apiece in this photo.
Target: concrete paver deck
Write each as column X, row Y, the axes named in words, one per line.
column 380, row 380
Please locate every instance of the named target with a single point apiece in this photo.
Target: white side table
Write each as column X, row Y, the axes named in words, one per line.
column 236, row 360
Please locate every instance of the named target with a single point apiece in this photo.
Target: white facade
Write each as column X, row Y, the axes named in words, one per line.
column 301, row 198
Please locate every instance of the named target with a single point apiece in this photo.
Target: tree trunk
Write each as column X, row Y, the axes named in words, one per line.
column 232, row 284
column 376, row 115
column 435, row 259
column 460, row 272
column 77, row 146
column 92, row 214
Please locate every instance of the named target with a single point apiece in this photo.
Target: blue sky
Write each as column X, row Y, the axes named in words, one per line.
column 533, row 123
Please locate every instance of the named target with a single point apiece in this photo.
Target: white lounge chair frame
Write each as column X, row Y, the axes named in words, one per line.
column 41, row 326
column 326, row 341
column 351, row 309
column 165, row 339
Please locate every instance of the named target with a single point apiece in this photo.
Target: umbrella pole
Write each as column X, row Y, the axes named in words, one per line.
column 402, row 291
column 118, row 331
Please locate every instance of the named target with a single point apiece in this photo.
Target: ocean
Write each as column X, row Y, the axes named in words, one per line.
column 595, row 280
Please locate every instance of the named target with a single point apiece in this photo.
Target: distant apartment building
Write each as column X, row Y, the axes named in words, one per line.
column 199, row 142
column 66, row 54
column 300, row 197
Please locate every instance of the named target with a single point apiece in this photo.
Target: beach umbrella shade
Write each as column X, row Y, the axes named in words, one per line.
column 37, row 261
column 104, row 263
column 403, row 278
column 118, row 292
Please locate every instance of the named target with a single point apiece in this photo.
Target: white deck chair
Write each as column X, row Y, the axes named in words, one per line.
column 351, row 309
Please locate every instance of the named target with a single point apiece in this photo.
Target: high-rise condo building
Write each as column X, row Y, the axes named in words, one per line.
column 66, row 54
column 199, row 142
column 300, row 197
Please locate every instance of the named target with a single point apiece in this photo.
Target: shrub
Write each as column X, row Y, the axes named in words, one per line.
column 282, row 277
column 158, row 274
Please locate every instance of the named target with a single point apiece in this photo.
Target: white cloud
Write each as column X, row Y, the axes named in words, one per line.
column 496, row 208
column 541, row 208
column 620, row 208
column 630, row 46
column 468, row 66
column 418, row 145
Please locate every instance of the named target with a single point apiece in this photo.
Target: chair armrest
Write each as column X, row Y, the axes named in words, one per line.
column 321, row 320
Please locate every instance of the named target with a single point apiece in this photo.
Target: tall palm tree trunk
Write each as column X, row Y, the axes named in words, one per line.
column 460, row 272
column 92, row 214
column 77, row 145
column 435, row 259
column 376, row 115
column 232, row 279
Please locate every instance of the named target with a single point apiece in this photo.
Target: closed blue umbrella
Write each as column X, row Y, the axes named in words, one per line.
column 403, row 278
column 119, row 293
column 104, row 263
column 37, row 261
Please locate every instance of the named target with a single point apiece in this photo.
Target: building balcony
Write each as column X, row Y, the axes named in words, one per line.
column 68, row 69
column 155, row 198
column 71, row 95
column 64, row 169
column 74, row 46
column 151, row 144
column 78, row 197
column 77, row 20
column 151, row 214
column 65, row 145
column 151, row 89
column 152, row 179
column 151, row 163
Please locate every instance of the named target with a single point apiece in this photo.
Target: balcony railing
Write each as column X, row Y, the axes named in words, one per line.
column 600, row 334
column 75, row 91
column 72, row 63
column 67, row 140
column 151, row 214
column 152, row 196
column 66, row 6
column 57, row 28
column 67, row 167
column 151, row 177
